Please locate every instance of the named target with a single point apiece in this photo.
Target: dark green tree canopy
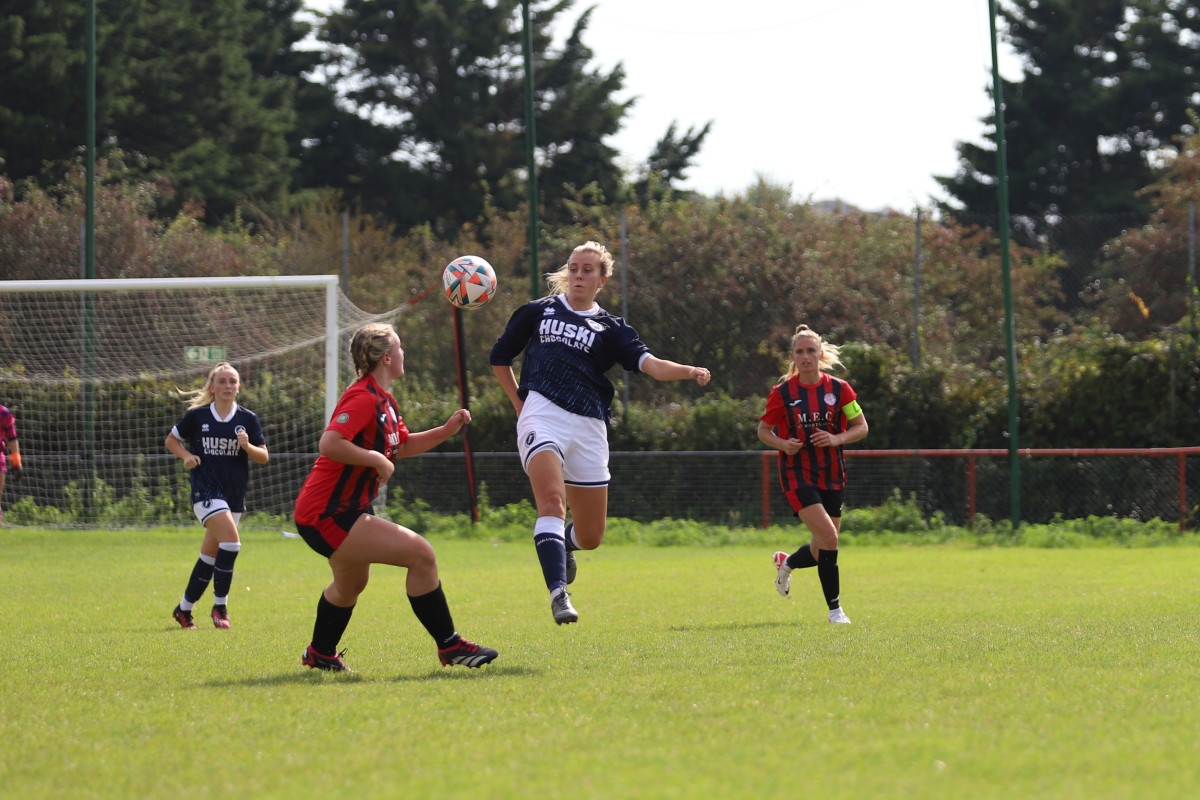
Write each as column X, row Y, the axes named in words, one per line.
column 201, row 88
column 410, row 109
column 669, row 162
column 1106, row 85
column 443, row 84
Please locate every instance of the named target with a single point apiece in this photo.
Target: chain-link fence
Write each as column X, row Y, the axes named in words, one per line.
column 741, row 488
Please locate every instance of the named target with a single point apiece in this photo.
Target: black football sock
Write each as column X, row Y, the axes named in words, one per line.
column 434, row 613
column 802, row 558
column 827, row 571
column 330, row 625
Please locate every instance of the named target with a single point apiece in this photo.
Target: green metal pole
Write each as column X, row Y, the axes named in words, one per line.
column 531, row 161
column 89, row 256
column 1014, row 463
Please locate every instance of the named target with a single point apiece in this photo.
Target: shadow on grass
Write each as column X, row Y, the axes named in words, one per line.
column 311, row 676
column 732, row 626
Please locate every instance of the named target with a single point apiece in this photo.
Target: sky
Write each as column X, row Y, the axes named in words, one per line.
column 861, row 101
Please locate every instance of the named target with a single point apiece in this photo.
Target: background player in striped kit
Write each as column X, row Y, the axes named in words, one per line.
column 333, row 511
column 810, row 416
column 10, row 450
column 216, row 439
column 563, row 405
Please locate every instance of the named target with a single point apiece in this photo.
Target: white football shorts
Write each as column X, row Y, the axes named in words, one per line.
column 206, row 509
column 581, row 443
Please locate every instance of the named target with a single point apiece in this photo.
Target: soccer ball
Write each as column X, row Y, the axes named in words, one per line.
column 469, row 282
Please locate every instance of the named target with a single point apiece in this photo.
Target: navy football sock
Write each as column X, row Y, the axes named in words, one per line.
column 552, row 551
column 227, row 553
column 202, row 574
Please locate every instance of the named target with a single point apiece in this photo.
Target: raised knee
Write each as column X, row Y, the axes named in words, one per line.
column 424, row 558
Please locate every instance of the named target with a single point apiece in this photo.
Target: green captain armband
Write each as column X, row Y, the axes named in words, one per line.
column 851, row 409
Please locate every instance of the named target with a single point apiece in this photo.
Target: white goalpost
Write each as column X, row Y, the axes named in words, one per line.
column 94, row 369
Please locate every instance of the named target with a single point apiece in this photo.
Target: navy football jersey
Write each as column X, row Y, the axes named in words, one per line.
column 224, row 467
column 567, row 353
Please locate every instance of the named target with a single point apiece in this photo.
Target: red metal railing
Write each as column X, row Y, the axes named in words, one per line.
column 769, row 458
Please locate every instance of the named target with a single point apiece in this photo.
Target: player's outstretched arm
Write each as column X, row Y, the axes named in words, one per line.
column 418, row 443
column 663, row 370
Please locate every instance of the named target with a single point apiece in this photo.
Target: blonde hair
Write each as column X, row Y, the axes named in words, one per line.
column 369, row 344
column 198, row 398
column 559, row 281
column 829, row 352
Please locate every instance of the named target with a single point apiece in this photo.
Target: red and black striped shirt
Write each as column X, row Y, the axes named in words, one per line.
column 794, row 410
column 369, row 417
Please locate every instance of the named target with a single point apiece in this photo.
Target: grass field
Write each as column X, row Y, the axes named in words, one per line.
column 968, row 673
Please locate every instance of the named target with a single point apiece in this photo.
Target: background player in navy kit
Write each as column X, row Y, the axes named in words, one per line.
column 809, row 417
column 563, row 405
column 333, row 511
column 216, row 440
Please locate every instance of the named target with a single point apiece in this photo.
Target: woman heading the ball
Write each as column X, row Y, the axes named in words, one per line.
column 563, row 406
column 810, row 416
column 333, row 512
column 216, row 439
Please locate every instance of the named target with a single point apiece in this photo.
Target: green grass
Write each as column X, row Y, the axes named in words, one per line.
column 968, row 673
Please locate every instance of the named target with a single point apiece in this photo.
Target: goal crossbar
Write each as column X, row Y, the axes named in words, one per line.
column 328, row 282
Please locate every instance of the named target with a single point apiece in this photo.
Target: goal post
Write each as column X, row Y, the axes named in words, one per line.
column 95, row 372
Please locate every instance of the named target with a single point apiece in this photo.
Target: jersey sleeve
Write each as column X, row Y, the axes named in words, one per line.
column 775, row 414
column 630, row 348
column 186, row 426
column 515, row 336
column 254, row 429
column 848, row 395
column 8, row 424
column 354, row 412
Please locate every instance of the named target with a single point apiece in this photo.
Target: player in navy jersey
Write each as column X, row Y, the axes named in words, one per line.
column 333, row 511
column 216, row 439
column 809, row 417
column 10, row 450
column 563, row 407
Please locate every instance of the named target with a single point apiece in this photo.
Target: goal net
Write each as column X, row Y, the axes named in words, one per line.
column 93, row 371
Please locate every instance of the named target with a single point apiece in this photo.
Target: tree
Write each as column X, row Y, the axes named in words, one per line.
column 672, row 157
column 179, row 83
column 442, row 84
column 42, row 68
column 1147, row 285
column 1106, row 86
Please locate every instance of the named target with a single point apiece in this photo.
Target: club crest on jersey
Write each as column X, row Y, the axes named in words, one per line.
column 239, row 429
column 830, row 399
column 596, row 326
column 343, row 417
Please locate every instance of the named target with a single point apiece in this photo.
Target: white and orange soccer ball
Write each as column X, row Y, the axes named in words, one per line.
column 469, row 282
